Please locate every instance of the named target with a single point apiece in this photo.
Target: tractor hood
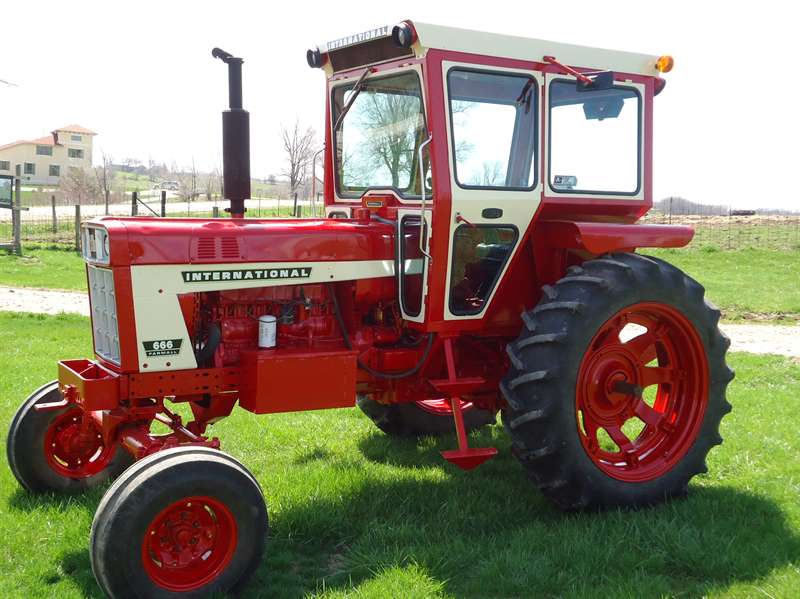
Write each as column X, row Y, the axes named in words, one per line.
column 143, row 240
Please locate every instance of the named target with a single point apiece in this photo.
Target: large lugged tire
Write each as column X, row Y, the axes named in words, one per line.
column 53, row 451
column 184, row 522
column 601, row 421
column 423, row 418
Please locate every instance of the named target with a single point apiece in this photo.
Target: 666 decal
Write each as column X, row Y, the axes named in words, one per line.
column 162, row 347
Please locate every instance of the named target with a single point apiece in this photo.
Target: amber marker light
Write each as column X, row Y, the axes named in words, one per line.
column 664, row 64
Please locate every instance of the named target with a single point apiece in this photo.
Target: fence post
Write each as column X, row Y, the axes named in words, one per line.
column 134, row 203
column 215, row 212
column 16, row 217
column 106, row 194
column 294, row 210
column 163, row 202
column 77, row 227
column 55, row 220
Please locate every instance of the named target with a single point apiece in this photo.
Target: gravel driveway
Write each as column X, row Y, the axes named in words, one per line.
column 753, row 338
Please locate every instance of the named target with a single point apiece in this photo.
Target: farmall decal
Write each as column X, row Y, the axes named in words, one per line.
column 358, row 38
column 162, row 347
column 208, row 276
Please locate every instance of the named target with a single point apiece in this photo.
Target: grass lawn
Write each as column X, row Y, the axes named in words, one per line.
column 47, row 268
column 356, row 514
column 745, row 284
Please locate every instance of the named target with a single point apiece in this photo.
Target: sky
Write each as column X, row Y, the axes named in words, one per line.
column 142, row 76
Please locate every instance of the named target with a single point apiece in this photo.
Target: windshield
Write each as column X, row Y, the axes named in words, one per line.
column 378, row 138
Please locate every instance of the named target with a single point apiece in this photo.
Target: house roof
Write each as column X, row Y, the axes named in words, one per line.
column 76, row 129
column 48, row 140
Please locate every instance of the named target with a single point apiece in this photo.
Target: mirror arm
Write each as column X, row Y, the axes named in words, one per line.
column 579, row 76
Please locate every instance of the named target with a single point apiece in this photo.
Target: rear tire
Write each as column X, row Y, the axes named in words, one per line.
column 419, row 419
column 183, row 522
column 574, row 383
column 45, row 451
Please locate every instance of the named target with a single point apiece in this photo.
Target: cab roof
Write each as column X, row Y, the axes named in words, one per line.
column 372, row 46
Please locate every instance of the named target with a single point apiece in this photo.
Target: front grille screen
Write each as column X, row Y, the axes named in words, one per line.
column 104, row 313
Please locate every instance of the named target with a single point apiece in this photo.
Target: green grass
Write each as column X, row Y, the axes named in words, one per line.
column 46, row 268
column 356, row 514
column 750, row 284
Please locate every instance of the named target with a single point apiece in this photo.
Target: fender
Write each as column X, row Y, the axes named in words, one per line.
column 601, row 238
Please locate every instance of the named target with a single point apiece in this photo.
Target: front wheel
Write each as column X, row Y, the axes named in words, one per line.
column 183, row 522
column 59, row 450
column 617, row 384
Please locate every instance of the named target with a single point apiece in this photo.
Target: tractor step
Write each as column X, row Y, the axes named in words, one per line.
column 469, row 457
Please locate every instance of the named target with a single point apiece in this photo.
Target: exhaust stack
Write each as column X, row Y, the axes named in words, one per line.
column 235, row 139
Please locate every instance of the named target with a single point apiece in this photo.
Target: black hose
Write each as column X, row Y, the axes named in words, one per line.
column 377, row 374
column 205, row 353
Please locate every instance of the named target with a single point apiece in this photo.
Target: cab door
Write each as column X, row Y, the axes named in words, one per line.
column 493, row 127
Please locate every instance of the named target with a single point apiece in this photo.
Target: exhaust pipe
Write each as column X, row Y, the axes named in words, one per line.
column 235, row 139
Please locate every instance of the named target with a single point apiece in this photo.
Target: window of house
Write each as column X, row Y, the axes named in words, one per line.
column 75, row 153
column 479, row 255
column 494, row 125
column 595, row 139
column 44, row 150
column 5, row 165
column 55, row 170
column 76, row 138
column 30, row 168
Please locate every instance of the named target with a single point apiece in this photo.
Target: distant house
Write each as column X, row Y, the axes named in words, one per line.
column 42, row 161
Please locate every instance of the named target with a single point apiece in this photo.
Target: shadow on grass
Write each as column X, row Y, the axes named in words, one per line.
column 490, row 533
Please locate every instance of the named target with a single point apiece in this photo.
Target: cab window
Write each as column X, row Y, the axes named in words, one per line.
column 595, row 139
column 493, row 123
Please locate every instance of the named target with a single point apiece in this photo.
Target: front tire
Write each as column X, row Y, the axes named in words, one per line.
column 183, row 522
column 603, row 413
column 56, row 451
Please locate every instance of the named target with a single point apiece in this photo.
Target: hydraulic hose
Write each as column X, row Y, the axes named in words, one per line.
column 376, row 373
column 205, row 353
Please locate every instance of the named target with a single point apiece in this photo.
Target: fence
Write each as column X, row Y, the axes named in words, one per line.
column 53, row 219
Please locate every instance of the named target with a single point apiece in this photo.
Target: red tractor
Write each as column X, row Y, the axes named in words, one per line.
column 477, row 255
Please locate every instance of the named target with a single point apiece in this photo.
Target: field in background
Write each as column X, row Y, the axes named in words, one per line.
column 751, row 284
column 354, row 513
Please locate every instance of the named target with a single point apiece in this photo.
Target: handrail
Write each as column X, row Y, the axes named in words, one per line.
column 422, row 197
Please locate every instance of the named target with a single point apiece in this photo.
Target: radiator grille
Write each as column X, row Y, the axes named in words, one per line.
column 104, row 313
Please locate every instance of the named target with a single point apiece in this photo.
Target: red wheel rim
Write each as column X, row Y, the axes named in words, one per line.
column 189, row 543
column 74, row 447
column 441, row 407
column 642, row 392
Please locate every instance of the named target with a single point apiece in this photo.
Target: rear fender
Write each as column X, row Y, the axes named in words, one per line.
column 602, row 238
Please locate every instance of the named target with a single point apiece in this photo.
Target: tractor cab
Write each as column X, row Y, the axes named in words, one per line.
column 472, row 142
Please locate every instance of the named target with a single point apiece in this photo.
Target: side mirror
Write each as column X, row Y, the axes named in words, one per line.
column 6, row 191
column 603, row 108
column 601, row 80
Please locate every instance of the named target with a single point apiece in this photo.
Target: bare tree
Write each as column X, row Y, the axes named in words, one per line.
column 299, row 146
column 79, row 185
column 188, row 181
column 492, row 173
column 105, row 176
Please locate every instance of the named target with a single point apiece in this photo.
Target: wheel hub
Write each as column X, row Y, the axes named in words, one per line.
column 667, row 355
column 74, row 448
column 189, row 543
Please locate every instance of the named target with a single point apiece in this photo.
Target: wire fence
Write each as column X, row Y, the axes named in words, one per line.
column 51, row 218
column 727, row 228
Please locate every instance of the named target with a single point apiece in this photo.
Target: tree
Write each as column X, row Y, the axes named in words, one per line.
column 79, row 185
column 105, row 176
column 299, row 146
column 271, row 180
column 188, row 181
